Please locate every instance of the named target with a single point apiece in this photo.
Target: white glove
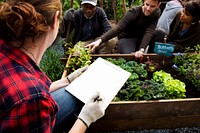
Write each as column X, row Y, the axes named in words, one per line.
column 76, row 73
column 92, row 110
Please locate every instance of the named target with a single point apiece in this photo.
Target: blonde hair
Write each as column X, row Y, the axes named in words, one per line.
column 20, row 19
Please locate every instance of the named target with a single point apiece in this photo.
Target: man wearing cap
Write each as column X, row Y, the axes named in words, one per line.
column 89, row 22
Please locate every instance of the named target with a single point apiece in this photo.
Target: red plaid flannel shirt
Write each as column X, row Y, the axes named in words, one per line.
column 25, row 103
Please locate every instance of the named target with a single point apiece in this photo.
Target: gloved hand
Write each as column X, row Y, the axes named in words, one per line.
column 76, row 73
column 92, row 110
column 69, row 15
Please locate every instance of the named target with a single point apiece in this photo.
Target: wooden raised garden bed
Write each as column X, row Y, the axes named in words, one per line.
column 152, row 114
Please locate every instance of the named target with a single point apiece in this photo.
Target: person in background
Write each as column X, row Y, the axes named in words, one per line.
column 171, row 9
column 185, row 28
column 135, row 30
column 168, row 14
column 29, row 101
column 183, row 2
column 88, row 22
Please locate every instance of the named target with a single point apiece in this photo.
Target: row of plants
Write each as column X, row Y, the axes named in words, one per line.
column 154, row 80
column 149, row 80
column 188, row 65
column 145, row 85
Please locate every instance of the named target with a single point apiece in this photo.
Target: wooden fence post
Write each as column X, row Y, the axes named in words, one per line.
column 67, row 41
column 114, row 10
column 101, row 3
column 124, row 6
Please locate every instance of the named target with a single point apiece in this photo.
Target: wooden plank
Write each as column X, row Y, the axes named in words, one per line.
column 154, row 114
column 114, row 10
column 151, row 56
column 101, row 3
column 124, row 6
column 146, row 57
column 142, row 124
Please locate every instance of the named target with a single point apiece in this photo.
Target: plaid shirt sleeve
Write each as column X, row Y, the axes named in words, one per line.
column 34, row 115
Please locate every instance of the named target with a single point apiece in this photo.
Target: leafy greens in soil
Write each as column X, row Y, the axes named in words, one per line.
column 146, row 85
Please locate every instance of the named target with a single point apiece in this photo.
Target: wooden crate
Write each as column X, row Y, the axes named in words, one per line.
column 152, row 114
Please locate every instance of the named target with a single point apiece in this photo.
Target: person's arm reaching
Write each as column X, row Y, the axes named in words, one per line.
column 115, row 31
column 149, row 34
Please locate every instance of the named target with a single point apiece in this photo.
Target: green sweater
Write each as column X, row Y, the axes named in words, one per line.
column 135, row 25
column 189, row 39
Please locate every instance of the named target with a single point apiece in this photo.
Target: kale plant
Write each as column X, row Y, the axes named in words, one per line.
column 139, row 87
column 188, row 64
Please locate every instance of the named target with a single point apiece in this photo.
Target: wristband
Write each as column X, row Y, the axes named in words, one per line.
column 68, row 79
column 83, row 122
column 142, row 49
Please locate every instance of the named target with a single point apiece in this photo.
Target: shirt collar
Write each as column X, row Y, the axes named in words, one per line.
column 17, row 55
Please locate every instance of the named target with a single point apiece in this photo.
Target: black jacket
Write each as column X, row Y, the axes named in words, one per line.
column 135, row 25
column 100, row 23
column 189, row 39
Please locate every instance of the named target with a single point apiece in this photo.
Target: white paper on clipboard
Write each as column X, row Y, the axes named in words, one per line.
column 102, row 76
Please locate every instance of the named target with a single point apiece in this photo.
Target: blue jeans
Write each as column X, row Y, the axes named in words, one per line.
column 70, row 108
column 128, row 45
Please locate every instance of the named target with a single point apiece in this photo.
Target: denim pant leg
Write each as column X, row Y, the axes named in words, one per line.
column 69, row 106
column 127, row 45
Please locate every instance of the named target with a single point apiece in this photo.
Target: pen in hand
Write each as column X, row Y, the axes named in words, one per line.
column 98, row 99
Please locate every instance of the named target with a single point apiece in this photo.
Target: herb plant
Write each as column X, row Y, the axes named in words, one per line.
column 174, row 88
column 188, row 65
column 79, row 56
column 51, row 64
